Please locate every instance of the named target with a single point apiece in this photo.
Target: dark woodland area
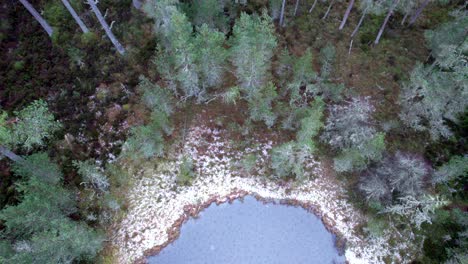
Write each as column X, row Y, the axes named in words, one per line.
column 90, row 91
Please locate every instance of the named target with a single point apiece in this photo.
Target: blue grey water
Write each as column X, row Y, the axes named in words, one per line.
column 250, row 232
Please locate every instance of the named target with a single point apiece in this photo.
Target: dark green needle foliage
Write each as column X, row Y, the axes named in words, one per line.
column 38, row 229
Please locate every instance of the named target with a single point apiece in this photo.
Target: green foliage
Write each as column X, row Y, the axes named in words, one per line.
column 65, row 242
column 92, row 175
column 90, row 38
column 376, row 227
column 260, row 104
column 253, row 43
column 302, row 75
column 210, row 56
column 55, row 13
column 358, row 158
column 396, row 176
column 288, row 160
column 18, row 65
column 438, row 92
column 189, row 64
column 179, row 54
column 249, row 162
column 231, row 95
column 457, row 166
column 5, row 133
column 145, row 142
column 349, row 125
column 327, row 58
column 38, row 227
column 186, row 171
column 416, row 210
column 39, row 165
column 311, row 124
column 452, row 33
column 210, row 13
column 35, row 125
column 155, row 97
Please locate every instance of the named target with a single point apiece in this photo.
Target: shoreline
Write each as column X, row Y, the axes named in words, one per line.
column 193, row 211
column 158, row 206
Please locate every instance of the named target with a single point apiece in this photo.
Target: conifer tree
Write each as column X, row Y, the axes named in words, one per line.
column 253, row 43
column 38, row 229
column 210, row 56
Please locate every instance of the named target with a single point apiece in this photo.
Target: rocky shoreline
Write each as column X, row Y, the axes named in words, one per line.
column 158, row 206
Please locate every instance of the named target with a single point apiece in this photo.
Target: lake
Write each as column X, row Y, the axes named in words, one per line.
column 251, row 232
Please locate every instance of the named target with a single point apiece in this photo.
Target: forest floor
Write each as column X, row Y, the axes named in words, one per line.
column 158, row 206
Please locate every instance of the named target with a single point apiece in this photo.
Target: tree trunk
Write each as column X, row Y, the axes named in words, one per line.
column 295, row 8
column 282, row 13
column 389, row 14
column 78, row 20
column 313, row 6
column 348, row 10
column 404, row 19
column 364, row 13
column 12, row 156
column 418, row 12
column 137, row 4
column 38, row 17
column 328, row 10
column 104, row 25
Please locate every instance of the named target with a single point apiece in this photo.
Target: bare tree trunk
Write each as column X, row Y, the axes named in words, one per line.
column 282, row 13
column 328, row 10
column 78, row 20
column 104, row 25
column 9, row 154
column 348, row 10
column 404, row 19
column 364, row 13
column 418, row 12
column 38, row 17
column 313, row 6
column 389, row 14
column 295, row 8
column 137, row 4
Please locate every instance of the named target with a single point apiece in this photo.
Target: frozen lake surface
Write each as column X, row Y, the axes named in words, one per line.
column 250, row 232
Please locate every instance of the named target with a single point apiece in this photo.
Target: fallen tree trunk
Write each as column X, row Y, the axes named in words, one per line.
column 348, row 11
column 418, row 12
column 75, row 16
column 328, row 10
column 106, row 27
column 38, row 17
column 389, row 14
column 9, row 154
column 313, row 6
column 282, row 13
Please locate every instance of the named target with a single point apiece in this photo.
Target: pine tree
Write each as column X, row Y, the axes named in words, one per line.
column 311, row 124
column 288, row 160
column 457, row 166
column 210, row 56
column 34, row 125
column 349, row 125
column 399, row 175
column 260, row 104
column 92, row 175
column 38, row 228
column 211, row 13
column 155, row 97
column 253, row 43
column 302, row 74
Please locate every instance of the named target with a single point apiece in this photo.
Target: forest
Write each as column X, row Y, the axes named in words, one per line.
column 92, row 93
